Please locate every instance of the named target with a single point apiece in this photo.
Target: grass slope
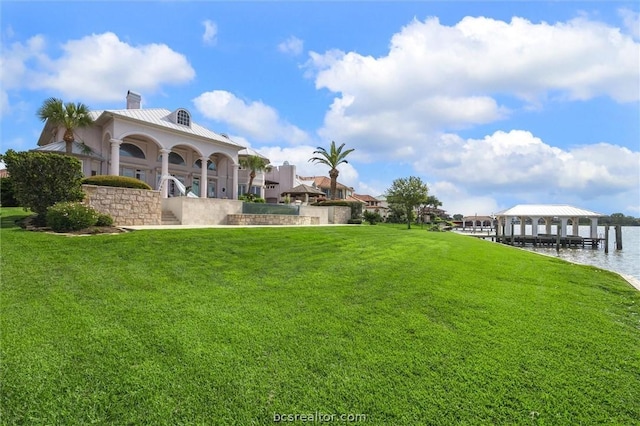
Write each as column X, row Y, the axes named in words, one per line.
column 231, row 326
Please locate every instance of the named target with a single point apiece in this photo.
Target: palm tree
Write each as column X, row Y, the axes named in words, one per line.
column 71, row 116
column 256, row 164
column 332, row 158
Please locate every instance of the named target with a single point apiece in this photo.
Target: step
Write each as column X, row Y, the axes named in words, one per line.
column 168, row 218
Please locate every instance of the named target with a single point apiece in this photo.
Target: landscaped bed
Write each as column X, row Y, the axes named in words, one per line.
column 239, row 326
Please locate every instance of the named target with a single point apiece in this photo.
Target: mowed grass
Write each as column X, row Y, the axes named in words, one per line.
column 229, row 326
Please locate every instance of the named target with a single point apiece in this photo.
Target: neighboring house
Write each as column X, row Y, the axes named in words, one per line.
column 323, row 183
column 278, row 180
column 372, row 204
column 4, row 173
column 148, row 143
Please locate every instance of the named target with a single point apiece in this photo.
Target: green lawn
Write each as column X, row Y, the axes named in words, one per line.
column 229, row 326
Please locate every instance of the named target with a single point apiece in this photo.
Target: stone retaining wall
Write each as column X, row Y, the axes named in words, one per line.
column 271, row 219
column 127, row 206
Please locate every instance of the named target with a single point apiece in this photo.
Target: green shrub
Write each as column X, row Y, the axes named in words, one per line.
column 354, row 221
column 104, row 220
column 372, row 217
column 7, row 197
column 70, row 216
column 251, row 198
column 117, row 181
column 41, row 180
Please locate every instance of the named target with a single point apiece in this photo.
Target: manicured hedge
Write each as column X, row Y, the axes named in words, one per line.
column 117, row 181
column 39, row 179
column 7, row 197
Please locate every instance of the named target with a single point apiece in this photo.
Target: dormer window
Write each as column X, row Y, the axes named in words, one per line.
column 183, row 117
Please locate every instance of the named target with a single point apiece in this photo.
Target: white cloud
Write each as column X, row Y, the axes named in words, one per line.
column 99, row 67
column 521, row 164
column 631, row 21
column 210, row 34
column 291, row 46
column 437, row 77
column 13, row 63
column 456, row 200
column 255, row 119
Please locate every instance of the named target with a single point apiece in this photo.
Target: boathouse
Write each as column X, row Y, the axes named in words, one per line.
column 542, row 217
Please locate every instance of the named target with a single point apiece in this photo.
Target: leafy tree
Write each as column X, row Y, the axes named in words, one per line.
column 255, row 164
column 407, row 193
column 42, row 179
column 458, row 216
column 332, row 158
column 71, row 116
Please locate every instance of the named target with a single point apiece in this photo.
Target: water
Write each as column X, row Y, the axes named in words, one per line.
column 625, row 261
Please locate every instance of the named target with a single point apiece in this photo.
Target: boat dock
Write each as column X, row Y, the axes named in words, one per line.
column 542, row 240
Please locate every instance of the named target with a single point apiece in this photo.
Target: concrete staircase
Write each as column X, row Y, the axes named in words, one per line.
column 168, row 218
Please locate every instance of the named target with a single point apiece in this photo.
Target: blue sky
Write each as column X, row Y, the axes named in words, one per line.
column 491, row 103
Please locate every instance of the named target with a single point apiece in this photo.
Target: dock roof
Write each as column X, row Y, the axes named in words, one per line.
column 547, row 210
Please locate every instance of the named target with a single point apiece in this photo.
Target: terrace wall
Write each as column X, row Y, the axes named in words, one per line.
column 201, row 211
column 271, row 219
column 127, row 206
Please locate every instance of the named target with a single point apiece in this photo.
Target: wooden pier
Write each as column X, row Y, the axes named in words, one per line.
column 542, row 240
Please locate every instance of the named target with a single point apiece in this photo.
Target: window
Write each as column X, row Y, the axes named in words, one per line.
column 174, row 158
column 134, row 173
column 183, row 118
column 195, row 185
column 131, row 150
column 210, row 165
column 242, row 189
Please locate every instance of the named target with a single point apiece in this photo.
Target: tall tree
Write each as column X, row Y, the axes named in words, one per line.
column 406, row 194
column 255, row 164
column 332, row 158
column 70, row 116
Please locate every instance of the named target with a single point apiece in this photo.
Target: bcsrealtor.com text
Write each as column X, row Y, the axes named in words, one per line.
column 318, row 417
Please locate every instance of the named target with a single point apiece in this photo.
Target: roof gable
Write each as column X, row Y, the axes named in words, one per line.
column 163, row 118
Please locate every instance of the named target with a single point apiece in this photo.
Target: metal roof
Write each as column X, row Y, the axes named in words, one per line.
column 547, row 210
column 160, row 117
column 253, row 152
column 77, row 148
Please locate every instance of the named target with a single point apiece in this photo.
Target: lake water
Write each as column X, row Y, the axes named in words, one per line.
column 625, row 261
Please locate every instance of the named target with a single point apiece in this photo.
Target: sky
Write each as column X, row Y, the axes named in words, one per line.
column 492, row 104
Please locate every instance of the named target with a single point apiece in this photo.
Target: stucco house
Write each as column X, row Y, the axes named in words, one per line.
column 148, row 143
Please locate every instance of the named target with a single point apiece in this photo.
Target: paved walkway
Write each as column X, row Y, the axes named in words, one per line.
column 148, row 227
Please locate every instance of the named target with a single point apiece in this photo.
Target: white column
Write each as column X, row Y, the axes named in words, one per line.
column 234, row 183
column 203, row 177
column 563, row 226
column 594, row 227
column 115, row 157
column 507, row 225
column 534, row 226
column 165, row 171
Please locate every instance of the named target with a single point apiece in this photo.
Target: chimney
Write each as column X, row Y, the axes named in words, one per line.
column 133, row 100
